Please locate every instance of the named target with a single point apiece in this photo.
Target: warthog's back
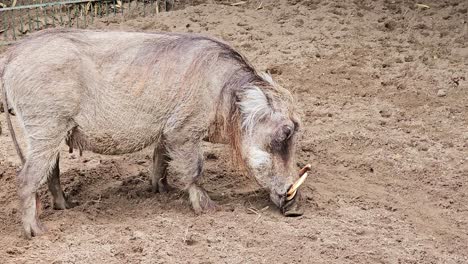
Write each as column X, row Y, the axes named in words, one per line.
column 119, row 89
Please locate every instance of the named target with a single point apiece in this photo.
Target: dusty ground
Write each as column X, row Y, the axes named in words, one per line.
column 384, row 90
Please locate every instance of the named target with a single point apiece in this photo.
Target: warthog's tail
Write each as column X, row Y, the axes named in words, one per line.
column 7, row 115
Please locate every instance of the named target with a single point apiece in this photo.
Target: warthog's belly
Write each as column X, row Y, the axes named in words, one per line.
column 112, row 142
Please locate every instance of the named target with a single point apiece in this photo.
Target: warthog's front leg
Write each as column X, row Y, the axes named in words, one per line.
column 58, row 197
column 158, row 174
column 187, row 160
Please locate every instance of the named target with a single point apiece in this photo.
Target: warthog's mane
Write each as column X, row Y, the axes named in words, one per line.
column 246, row 97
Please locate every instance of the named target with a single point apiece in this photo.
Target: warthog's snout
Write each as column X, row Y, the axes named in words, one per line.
column 288, row 207
column 290, row 201
column 292, row 207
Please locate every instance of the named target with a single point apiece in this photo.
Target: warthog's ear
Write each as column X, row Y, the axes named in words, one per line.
column 253, row 105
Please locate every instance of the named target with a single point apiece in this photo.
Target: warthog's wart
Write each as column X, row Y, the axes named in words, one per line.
column 119, row 92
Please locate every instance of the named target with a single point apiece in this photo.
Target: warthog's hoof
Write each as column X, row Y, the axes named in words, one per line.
column 200, row 200
column 161, row 186
column 33, row 229
column 64, row 204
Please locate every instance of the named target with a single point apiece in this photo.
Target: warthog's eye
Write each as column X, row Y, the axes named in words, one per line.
column 281, row 143
column 287, row 132
column 281, row 138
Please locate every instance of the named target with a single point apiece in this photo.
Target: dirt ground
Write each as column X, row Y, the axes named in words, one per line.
column 384, row 90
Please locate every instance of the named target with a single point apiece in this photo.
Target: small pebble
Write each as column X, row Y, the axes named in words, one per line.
column 385, row 113
column 137, row 235
column 441, row 93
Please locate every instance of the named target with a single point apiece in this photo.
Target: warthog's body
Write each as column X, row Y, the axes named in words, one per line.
column 119, row 92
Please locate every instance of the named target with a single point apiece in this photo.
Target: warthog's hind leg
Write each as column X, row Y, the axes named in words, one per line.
column 43, row 151
column 58, row 197
column 187, row 160
column 158, row 174
column 30, row 178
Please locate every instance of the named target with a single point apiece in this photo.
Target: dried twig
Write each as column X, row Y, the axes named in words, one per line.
column 253, row 210
column 257, row 212
column 423, row 6
column 260, row 6
column 238, row 3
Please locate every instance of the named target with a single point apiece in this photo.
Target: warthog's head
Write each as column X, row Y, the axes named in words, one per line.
column 267, row 141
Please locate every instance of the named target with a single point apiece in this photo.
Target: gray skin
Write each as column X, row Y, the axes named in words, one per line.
column 119, row 92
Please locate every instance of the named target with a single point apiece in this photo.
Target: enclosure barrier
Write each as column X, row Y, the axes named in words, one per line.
column 19, row 20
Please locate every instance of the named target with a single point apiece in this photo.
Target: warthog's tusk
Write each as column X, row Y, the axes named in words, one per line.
column 289, row 197
column 293, row 190
column 305, row 169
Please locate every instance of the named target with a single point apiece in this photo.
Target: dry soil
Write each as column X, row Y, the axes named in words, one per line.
column 383, row 86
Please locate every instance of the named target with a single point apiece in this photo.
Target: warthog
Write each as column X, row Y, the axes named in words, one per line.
column 119, row 92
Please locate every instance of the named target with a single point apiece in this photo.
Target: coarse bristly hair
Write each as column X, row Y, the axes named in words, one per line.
column 246, row 99
column 254, row 107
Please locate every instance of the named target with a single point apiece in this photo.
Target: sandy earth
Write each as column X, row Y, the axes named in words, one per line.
column 384, row 90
